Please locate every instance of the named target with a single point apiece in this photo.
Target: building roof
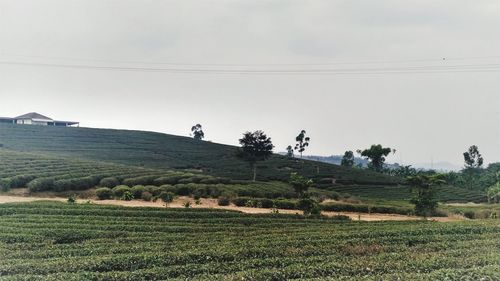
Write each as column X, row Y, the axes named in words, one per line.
column 33, row 115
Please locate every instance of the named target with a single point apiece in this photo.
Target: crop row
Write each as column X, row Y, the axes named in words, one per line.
column 58, row 241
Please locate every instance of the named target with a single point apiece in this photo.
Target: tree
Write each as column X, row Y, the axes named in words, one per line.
column 302, row 142
column 300, row 184
column 255, row 146
column 347, row 159
column 472, row 158
column 376, row 155
column 197, row 132
column 473, row 163
column 289, row 151
column 425, row 203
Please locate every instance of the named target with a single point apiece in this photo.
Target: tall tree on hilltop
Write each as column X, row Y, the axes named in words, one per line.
column 347, row 159
column 197, row 132
column 376, row 155
column 302, row 142
column 255, row 146
column 289, row 151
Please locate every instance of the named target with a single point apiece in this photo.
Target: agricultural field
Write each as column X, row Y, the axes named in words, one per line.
column 162, row 151
column 60, row 241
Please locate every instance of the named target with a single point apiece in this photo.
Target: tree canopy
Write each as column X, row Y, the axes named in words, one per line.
column 302, row 142
column 347, row 159
column 197, row 132
column 255, row 146
column 376, row 155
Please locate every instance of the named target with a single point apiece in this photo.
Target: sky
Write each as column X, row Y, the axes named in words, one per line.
column 422, row 77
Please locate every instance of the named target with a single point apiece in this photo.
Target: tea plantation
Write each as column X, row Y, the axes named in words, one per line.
column 162, row 151
column 59, row 241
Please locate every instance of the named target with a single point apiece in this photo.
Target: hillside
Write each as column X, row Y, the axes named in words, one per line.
column 163, row 151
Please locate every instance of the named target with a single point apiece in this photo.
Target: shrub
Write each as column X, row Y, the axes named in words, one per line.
column 143, row 180
column 187, row 204
column 146, row 196
column 285, row 204
column 154, row 190
column 308, row 206
column 104, row 193
column 127, row 196
column 183, row 189
column 266, row 203
column 470, row 215
column 240, row 201
column 109, row 182
column 41, row 184
column 118, row 191
column 72, row 199
column 166, row 197
column 223, row 201
column 137, row 191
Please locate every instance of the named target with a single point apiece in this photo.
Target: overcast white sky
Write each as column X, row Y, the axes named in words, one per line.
column 422, row 114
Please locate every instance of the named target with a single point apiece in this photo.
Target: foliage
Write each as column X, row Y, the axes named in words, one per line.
column 309, row 206
column 302, row 142
column 493, row 193
column 223, row 201
column 424, row 200
column 72, row 199
column 109, row 182
column 127, row 196
column 146, row 196
column 118, row 191
column 166, row 197
column 347, row 159
column 104, row 193
column 197, row 132
column 472, row 158
column 376, row 155
column 289, row 151
column 255, row 147
column 300, row 184
column 137, row 191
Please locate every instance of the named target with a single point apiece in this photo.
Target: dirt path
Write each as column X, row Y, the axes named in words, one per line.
column 212, row 203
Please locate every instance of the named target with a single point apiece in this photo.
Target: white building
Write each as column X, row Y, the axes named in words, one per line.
column 34, row 118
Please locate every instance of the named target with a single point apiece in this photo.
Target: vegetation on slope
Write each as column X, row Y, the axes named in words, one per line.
column 162, row 151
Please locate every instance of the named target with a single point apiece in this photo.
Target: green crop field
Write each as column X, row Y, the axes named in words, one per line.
column 59, row 241
column 162, row 151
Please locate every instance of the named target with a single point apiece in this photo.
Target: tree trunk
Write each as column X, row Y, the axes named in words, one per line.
column 254, row 167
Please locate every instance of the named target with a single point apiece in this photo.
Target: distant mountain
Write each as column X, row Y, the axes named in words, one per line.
column 333, row 159
column 438, row 166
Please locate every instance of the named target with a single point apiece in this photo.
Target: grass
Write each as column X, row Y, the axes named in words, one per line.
column 162, row 151
column 57, row 241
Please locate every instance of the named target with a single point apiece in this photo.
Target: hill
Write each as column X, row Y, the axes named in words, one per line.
column 163, row 151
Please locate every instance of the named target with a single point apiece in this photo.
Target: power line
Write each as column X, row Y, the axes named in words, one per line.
column 329, row 71
column 435, row 60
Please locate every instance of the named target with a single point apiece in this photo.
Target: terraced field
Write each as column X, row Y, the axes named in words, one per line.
column 162, row 151
column 59, row 241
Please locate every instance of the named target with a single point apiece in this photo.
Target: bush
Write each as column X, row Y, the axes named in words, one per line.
column 109, row 182
column 266, row 203
column 223, row 201
column 240, row 201
column 41, row 184
column 143, row 180
column 72, row 199
column 308, row 206
column 154, row 190
column 104, row 193
column 146, row 196
column 470, row 215
column 285, row 204
column 166, row 197
column 137, row 191
column 118, row 191
column 127, row 196
column 183, row 189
